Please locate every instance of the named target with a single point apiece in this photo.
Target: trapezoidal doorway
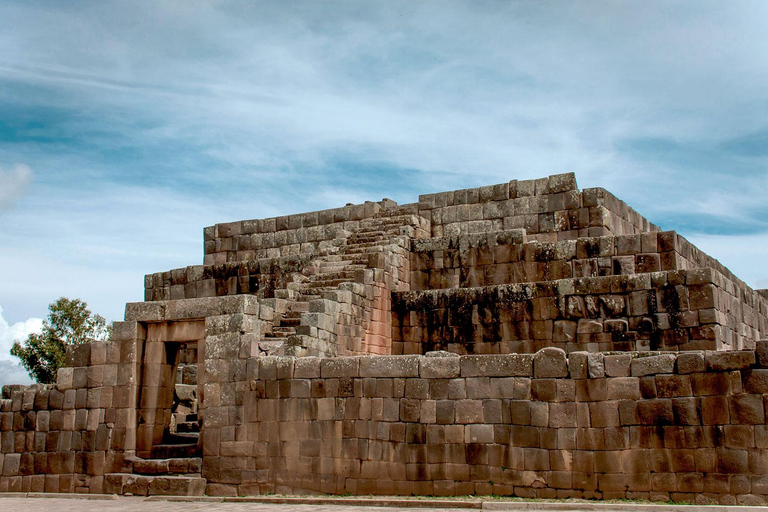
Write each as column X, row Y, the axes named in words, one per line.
column 170, row 392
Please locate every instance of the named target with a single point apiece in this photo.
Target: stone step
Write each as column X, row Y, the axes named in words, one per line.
column 283, row 331
column 289, row 322
column 404, row 218
column 176, row 450
column 363, row 238
column 297, row 308
column 187, row 426
column 366, row 250
column 326, row 283
column 146, row 485
column 271, row 346
column 369, row 244
column 180, row 466
column 342, row 274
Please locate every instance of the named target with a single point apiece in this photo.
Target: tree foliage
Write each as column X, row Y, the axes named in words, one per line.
column 69, row 322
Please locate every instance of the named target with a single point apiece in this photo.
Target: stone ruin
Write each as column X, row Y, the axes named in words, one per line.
column 525, row 339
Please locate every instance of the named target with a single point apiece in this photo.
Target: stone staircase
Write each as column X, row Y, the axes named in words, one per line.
column 181, row 476
column 326, row 272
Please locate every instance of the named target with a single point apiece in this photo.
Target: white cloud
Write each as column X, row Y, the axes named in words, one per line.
column 741, row 254
column 13, row 182
column 18, row 331
column 11, row 372
column 240, row 104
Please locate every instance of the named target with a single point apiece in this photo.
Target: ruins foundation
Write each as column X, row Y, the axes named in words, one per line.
column 527, row 338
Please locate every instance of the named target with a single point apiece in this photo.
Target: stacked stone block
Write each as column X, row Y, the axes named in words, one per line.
column 588, row 355
column 661, row 426
column 549, row 209
column 287, row 235
column 252, row 277
column 676, row 310
column 64, row 437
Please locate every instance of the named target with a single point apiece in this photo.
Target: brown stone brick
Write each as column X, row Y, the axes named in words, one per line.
column 592, row 390
column 502, row 387
column 746, row 409
column 508, row 365
column 755, row 381
column 617, row 365
column 520, row 412
column 686, row 411
column 590, row 438
column 544, row 390
column 457, row 389
column 739, row 436
column 623, row 388
column 562, row 415
column 664, row 482
column 550, row 362
column 732, row 461
column 416, row 388
column 628, row 413
column 444, row 412
column 710, row 384
column 691, row 363
column 655, row 412
column 524, row 436
column 604, row 414
column 668, row 386
column 439, row 367
column 652, row 365
column 469, row 411
column 616, row 438
column 730, row 360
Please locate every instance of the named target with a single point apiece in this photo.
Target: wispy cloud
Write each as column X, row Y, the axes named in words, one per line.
column 11, row 371
column 14, row 181
column 143, row 124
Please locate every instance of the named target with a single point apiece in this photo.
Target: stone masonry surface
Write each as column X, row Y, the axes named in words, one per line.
column 526, row 339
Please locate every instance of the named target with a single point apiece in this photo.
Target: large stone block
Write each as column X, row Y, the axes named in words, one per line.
column 730, row 360
column 550, row 362
column 340, row 367
column 439, row 367
column 389, row 366
column 651, row 365
column 509, row 365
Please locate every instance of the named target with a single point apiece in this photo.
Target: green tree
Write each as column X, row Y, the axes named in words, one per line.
column 69, row 322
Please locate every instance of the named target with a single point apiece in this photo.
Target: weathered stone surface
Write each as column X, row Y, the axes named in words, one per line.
column 651, row 365
column 497, row 366
column 389, row 366
column 439, row 367
column 730, row 360
column 550, row 362
column 571, row 350
column 340, row 367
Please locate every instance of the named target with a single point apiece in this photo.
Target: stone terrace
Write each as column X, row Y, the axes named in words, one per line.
column 526, row 338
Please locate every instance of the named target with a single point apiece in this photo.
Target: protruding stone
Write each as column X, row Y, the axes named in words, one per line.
column 550, row 362
column 652, row 365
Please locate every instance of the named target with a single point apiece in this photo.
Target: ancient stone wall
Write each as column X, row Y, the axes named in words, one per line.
column 64, row 437
column 549, row 209
column 259, row 277
column 287, row 235
column 506, row 257
column 589, row 355
column 671, row 310
column 685, row 427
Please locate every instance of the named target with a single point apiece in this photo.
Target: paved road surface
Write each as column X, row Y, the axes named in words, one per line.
column 140, row 505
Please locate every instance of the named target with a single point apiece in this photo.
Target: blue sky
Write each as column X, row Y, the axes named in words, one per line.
column 126, row 127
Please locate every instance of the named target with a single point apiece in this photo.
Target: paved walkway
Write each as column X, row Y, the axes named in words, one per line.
column 141, row 505
column 111, row 503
